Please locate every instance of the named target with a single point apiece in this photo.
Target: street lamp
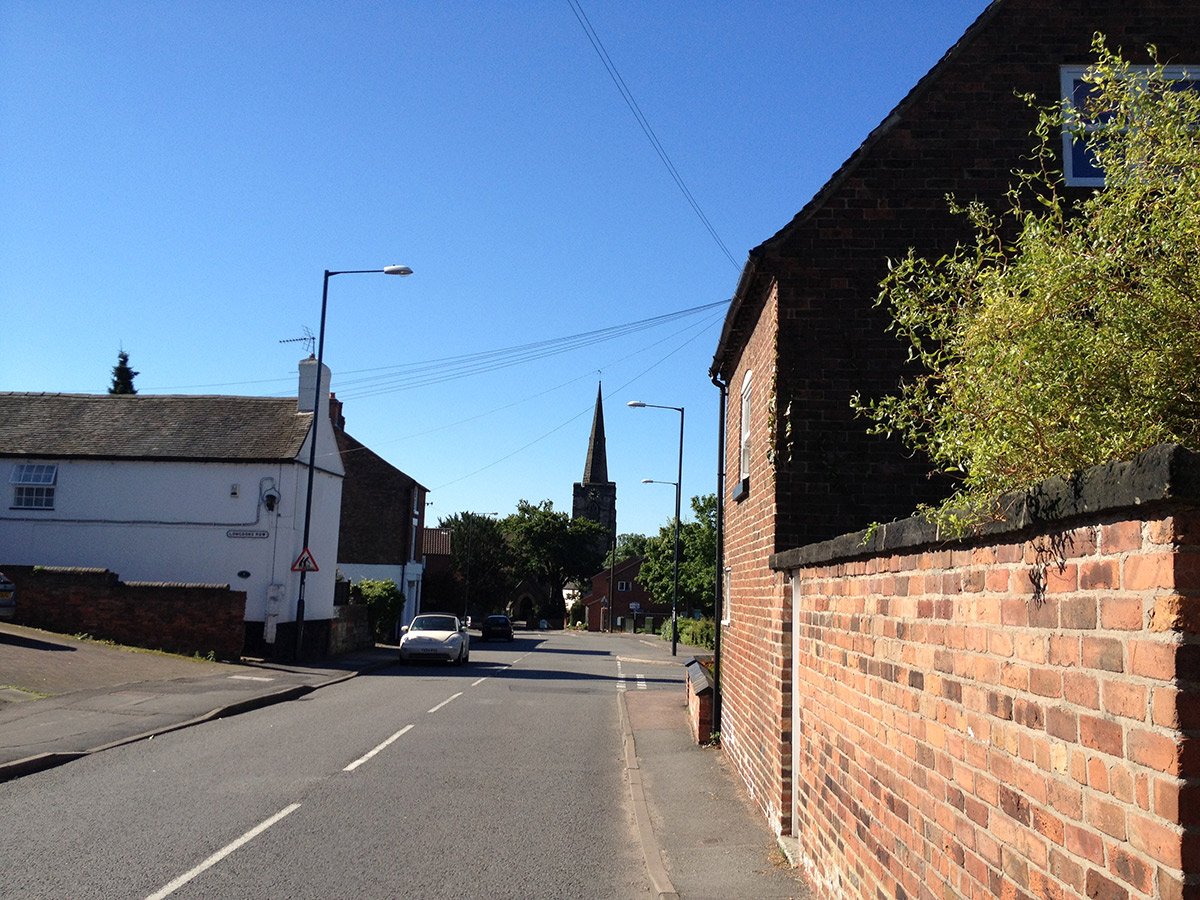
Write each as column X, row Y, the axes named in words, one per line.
column 638, row 404
column 470, row 532
column 312, row 443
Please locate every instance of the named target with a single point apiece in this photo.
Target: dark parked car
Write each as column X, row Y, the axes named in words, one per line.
column 496, row 628
column 8, row 598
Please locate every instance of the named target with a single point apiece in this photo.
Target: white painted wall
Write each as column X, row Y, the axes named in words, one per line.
column 181, row 521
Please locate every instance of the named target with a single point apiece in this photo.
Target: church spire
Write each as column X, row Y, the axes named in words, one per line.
column 595, row 470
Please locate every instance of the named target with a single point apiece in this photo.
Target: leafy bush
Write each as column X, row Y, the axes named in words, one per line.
column 385, row 603
column 697, row 632
column 1064, row 335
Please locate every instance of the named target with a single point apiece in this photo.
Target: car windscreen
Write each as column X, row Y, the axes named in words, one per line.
column 434, row 623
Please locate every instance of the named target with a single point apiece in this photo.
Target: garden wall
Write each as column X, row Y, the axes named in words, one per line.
column 180, row 618
column 1013, row 715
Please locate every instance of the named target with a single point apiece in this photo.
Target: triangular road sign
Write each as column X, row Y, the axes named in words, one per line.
column 305, row 562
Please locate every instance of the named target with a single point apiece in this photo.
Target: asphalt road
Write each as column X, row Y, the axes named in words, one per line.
column 499, row 779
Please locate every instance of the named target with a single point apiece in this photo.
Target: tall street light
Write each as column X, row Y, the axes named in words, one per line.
column 638, row 404
column 470, row 532
column 312, row 443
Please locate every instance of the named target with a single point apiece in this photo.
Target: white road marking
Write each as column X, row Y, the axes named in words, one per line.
column 251, row 678
column 479, row 681
column 222, row 853
column 641, row 682
column 620, row 677
column 362, row 759
column 444, row 702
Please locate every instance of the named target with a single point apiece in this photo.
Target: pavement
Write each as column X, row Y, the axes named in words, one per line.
column 63, row 698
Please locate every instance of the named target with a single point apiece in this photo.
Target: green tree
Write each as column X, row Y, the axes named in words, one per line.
column 122, row 376
column 1064, row 335
column 553, row 548
column 697, row 560
column 628, row 546
column 481, row 563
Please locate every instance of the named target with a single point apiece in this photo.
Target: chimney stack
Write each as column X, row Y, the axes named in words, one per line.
column 308, row 382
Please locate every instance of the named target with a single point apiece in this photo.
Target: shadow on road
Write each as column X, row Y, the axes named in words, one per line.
column 502, row 671
column 17, row 640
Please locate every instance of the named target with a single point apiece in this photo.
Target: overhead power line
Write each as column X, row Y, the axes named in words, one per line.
column 448, row 368
column 627, row 96
column 388, row 379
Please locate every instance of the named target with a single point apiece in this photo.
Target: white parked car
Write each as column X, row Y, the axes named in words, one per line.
column 435, row 636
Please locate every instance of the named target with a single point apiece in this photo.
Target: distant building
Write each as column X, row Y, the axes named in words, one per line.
column 616, row 600
column 382, row 519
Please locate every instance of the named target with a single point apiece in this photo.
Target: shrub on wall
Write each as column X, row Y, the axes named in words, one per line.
column 1063, row 336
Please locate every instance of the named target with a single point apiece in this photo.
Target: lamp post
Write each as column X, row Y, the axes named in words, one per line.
column 638, row 404
column 312, row 442
column 470, row 532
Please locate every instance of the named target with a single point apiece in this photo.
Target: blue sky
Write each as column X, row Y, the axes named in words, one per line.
column 175, row 178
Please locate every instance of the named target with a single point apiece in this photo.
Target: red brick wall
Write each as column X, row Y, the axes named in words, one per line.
column 804, row 321
column 963, row 733
column 755, row 644
column 180, row 618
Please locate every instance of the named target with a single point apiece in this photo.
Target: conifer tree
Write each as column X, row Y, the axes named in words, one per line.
column 122, row 380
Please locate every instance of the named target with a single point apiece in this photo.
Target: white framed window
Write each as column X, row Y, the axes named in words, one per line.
column 742, row 488
column 623, row 586
column 33, row 485
column 726, row 586
column 1079, row 162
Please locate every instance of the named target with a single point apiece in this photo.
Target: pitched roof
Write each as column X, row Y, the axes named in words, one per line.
column 166, row 427
column 734, row 329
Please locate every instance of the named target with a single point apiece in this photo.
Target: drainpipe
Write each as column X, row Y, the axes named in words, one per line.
column 719, row 581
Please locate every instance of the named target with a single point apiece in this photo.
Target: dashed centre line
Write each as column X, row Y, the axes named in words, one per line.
column 362, row 759
column 222, row 853
column 445, row 702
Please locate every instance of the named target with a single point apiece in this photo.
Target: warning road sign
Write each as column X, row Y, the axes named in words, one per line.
column 305, row 562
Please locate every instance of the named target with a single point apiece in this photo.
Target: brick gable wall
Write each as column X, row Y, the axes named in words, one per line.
column 756, row 647
column 804, row 317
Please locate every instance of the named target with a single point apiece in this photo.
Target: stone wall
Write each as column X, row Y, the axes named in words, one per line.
column 1012, row 715
column 180, row 618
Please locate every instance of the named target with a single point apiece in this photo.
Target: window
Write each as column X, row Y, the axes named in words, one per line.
column 33, row 485
column 622, row 586
column 742, row 488
column 726, row 587
column 1079, row 162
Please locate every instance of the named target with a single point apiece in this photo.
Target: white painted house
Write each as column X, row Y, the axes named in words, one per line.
column 206, row 489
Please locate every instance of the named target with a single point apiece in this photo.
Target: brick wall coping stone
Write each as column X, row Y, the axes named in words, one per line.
column 697, row 676
column 1167, row 472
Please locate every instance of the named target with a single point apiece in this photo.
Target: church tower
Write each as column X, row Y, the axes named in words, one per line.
column 595, row 497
